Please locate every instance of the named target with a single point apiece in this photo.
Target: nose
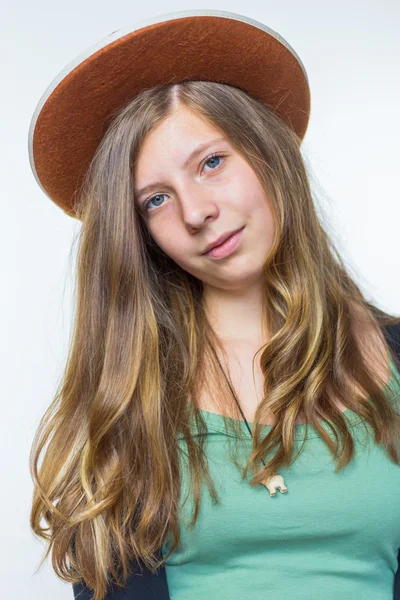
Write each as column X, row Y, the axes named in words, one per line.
column 197, row 204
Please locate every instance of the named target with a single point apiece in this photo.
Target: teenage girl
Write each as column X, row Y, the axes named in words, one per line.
column 227, row 422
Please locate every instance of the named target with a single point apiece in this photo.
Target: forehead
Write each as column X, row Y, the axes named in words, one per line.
column 179, row 133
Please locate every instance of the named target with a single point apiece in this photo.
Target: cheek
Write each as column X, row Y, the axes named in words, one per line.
column 246, row 190
column 168, row 242
column 162, row 232
column 259, row 210
column 253, row 201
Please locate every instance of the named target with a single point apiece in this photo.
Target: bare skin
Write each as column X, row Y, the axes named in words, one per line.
column 240, row 355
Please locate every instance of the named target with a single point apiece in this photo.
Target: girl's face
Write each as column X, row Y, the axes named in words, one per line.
column 192, row 198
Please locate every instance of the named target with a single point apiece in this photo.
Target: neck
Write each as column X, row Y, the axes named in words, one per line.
column 236, row 315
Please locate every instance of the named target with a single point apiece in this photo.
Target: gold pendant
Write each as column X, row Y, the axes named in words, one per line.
column 276, row 481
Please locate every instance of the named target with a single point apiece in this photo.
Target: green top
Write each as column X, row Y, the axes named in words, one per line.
column 331, row 535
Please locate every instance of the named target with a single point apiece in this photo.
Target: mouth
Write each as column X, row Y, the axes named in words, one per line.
column 227, row 247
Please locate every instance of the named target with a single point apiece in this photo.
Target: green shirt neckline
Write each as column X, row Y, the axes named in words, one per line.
column 216, row 422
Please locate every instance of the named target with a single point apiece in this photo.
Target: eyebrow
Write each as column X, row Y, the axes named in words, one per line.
column 191, row 156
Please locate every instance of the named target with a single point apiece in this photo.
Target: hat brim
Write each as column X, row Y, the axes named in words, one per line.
column 77, row 107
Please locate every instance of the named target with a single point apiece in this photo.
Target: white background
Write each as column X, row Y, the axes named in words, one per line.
column 351, row 51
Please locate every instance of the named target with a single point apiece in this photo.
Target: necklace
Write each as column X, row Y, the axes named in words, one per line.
column 276, row 481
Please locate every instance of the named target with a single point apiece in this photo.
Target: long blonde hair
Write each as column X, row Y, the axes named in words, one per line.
column 109, row 483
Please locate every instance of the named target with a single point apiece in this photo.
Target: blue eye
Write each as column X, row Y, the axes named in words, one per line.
column 213, row 157
column 209, row 158
column 146, row 204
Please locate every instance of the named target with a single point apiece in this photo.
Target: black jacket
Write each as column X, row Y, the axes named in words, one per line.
column 153, row 586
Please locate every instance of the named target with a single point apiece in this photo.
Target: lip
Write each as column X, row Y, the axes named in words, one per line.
column 227, row 247
column 222, row 238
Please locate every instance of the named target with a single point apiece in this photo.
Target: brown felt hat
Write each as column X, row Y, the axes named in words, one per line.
column 212, row 45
